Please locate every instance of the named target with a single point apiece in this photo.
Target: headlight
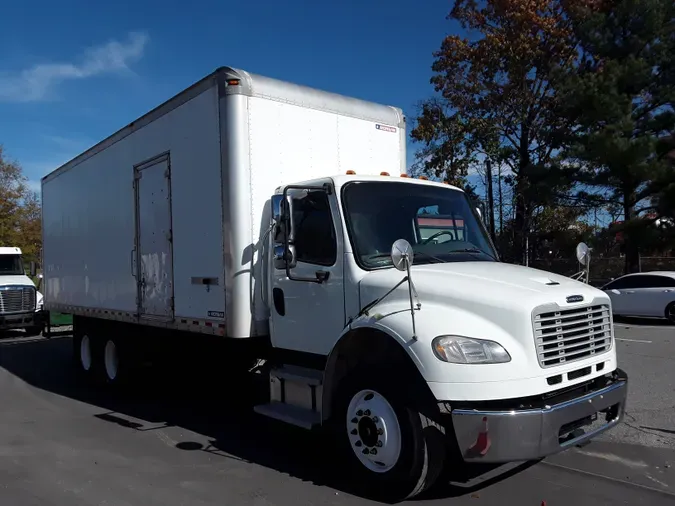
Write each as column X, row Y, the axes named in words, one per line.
column 466, row 350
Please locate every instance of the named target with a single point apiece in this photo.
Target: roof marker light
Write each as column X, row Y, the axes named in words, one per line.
column 424, row 178
column 350, row 173
column 384, row 173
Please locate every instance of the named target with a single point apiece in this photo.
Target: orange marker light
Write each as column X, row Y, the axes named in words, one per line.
column 233, row 82
column 405, row 175
column 424, row 178
column 384, row 173
column 350, row 173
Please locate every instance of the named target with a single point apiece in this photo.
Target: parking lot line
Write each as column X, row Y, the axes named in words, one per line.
column 638, row 326
column 632, row 340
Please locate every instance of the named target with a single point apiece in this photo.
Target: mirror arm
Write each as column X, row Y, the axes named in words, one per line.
column 372, row 304
column 411, row 288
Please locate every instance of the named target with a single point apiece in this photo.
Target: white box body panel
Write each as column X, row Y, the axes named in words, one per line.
column 290, row 143
column 228, row 147
column 89, row 217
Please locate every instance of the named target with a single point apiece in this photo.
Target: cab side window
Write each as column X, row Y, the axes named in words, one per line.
column 315, row 241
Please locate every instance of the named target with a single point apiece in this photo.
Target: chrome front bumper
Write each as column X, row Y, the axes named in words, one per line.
column 531, row 434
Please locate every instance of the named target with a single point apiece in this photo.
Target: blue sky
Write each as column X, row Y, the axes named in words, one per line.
column 73, row 72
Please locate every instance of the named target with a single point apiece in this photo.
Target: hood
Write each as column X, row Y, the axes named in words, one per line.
column 13, row 279
column 471, row 285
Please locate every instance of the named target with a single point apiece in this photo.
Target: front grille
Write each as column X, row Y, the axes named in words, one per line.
column 568, row 335
column 17, row 299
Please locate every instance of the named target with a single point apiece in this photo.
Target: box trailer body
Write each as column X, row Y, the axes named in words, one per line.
column 162, row 220
column 280, row 220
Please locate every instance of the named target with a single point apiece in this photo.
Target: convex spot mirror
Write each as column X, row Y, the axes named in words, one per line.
column 401, row 254
column 583, row 253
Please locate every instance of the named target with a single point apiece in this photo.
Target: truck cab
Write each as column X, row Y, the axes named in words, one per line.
column 428, row 336
column 20, row 302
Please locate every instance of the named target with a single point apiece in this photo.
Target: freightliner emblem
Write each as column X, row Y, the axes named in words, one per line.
column 575, row 298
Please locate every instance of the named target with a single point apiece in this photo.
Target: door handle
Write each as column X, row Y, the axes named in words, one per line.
column 322, row 276
column 667, row 290
column 630, row 291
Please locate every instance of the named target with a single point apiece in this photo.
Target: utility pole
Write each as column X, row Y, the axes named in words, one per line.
column 501, row 200
column 491, row 201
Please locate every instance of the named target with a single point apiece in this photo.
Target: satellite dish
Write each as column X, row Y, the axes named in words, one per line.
column 402, row 254
column 583, row 253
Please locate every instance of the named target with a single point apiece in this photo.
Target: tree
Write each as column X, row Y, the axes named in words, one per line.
column 446, row 154
column 496, row 99
column 621, row 96
column 20, row 215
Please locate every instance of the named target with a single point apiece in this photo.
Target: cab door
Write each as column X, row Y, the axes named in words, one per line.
column 307, row 300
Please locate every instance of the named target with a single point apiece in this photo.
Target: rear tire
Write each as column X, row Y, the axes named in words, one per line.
column 406, row 449
column 84, row 355
column 117, row 362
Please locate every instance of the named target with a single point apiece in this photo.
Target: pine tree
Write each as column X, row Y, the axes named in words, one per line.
column 621, row 97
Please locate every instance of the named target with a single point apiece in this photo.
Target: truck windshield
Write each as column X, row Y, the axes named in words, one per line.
column 439, row 223
column 11, row 265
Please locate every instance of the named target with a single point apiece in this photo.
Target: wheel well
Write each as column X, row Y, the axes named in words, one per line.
column 375, row 349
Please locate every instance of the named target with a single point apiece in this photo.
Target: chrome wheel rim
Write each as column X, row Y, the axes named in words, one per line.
column 374, row 431
column 85, row 353
column 111, row 360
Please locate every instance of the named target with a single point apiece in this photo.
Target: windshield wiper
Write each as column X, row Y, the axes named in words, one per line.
column 416, row 254
column 471, row 250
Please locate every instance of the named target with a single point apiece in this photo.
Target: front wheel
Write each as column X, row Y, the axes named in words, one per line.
column 34, row 331
column 393, row 448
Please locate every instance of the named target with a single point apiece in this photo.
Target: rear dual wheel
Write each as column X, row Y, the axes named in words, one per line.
column 100, row 358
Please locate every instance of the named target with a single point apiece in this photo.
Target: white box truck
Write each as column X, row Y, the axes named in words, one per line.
column 277, row 221
column 20, row 301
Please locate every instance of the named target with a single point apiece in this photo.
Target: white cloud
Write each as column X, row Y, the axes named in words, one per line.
column 35, row 83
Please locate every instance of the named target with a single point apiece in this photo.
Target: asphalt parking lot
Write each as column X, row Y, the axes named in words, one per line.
column 193, row 443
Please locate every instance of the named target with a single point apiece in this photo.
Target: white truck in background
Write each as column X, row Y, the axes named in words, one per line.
column 276, row 221
column 20, row 301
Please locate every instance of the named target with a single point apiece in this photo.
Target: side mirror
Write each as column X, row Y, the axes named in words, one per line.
column 282, row 214
column 583, row 253
column 33, row 269
column 402, row 254
column 282, row 217
column 281, row 261
column 277, row 230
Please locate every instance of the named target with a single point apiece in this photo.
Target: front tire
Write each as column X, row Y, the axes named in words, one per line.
column 391, row 447
column 33, row 331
